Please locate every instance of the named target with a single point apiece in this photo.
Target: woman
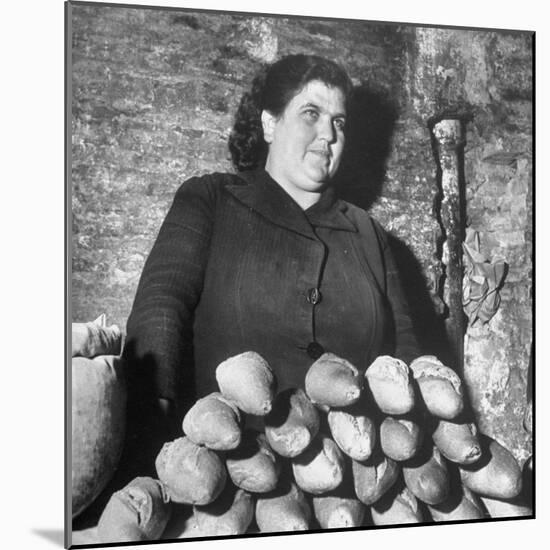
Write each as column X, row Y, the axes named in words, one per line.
column 268, row 259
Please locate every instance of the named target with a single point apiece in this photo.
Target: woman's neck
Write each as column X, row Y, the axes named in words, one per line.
column 304, row 198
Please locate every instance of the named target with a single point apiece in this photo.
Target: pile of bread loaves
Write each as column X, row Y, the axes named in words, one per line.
column 388, row 447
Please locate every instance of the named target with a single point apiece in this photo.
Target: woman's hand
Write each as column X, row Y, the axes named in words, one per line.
column 166, row 407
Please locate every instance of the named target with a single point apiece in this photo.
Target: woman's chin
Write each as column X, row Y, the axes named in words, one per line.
column 316, row 185
column 318, row 177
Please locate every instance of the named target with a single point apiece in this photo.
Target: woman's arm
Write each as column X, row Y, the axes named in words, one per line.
column 158, row 348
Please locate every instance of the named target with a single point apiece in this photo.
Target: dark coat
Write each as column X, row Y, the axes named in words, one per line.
column 238, row 266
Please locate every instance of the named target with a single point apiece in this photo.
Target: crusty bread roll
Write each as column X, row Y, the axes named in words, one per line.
column 400, row 438
column 333, row 381
column 285, row 509
column 139, row 511
column 248, row 381
column 390, row 383
column 511, row 508
column 230, row 514
column 253, row 466
column 292, row 423
column 353, row 431
column 440, row 387
column 333, row 511
column 427, row 477
column 396, row 508
column 460, row 505
column 496, row 474
column 457, row 442
column 190, row 473
column 320, row 468
column 373, row 477
column 214, row 422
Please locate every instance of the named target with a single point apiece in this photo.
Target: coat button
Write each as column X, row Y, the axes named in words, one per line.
column 313, row 296
column 315, row 350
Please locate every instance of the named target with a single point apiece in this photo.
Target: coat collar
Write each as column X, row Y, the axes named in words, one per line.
column 259, row 191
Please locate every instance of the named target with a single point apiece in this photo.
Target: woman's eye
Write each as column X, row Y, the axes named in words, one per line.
column 339, row 124
column 312, row 114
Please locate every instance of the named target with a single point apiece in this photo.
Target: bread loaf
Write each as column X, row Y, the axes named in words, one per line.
column 353, row 432
column 440, row 387
column 400, row 438
column 214, row 422
column 457, row 442
column 190, row 473
column 334, row 511
column 285, row 509
column 320, row 468
column 496, row 474
column 248, row 381
column 373, row 477
column 333, row 381
column 396, row 508
column 390, row 383
column 230, row 514
column 461, row 505
column 511, row 508
column 139, row 511
column 292, row 423
column 253, row 466
column 427, row 477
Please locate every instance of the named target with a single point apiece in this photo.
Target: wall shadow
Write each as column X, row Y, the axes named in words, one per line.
column 429, row 326
column 369, row 128
column 372, row 117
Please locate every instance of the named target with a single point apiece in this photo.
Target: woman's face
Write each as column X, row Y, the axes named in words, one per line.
column 306, row 142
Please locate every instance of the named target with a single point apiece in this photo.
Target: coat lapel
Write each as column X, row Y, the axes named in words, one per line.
column 330, row 212
column 257, row 190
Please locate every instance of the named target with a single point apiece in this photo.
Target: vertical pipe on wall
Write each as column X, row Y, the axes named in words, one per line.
column 449, row 138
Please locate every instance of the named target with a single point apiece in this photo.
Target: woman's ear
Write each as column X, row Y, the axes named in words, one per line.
column 268, row 125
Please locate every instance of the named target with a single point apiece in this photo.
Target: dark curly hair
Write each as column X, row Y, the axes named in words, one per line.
column 272, row 89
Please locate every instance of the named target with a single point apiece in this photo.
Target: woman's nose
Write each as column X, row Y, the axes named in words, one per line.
column 326, row 130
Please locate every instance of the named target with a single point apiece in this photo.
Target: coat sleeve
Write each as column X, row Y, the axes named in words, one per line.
column 158, row 347
column 406, row 343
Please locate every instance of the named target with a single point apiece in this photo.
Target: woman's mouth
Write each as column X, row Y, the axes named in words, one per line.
column 322, row 153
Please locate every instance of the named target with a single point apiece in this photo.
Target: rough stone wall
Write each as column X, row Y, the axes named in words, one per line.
column 488, row 76
column 153, row 97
